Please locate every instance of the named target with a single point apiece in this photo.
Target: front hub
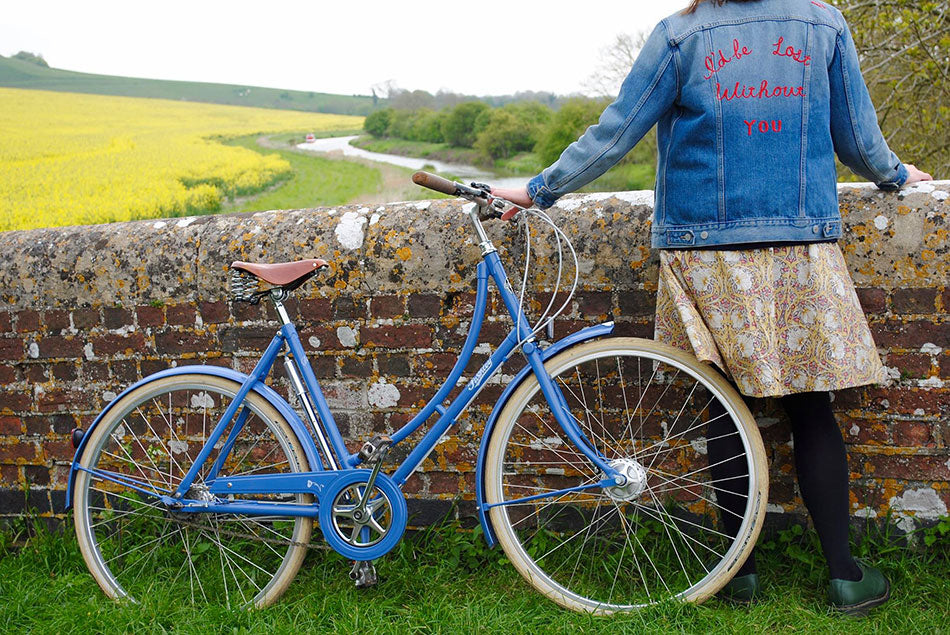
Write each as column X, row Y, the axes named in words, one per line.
column 636, row 480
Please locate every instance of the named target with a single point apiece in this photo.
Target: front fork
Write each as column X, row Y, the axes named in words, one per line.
column 562, row 414
column 552, row 393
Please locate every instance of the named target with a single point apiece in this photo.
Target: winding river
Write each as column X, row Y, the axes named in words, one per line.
column 466, row 172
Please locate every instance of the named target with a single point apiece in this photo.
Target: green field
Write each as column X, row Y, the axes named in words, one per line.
column 319, row 181
column 15, row 73
column 316, row 182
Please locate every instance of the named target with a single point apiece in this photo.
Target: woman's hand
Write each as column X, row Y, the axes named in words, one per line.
column 517, row 195
column 914, row 175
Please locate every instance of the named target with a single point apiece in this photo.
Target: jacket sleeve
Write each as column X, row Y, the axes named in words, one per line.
column 855, row 132
column 646, row 93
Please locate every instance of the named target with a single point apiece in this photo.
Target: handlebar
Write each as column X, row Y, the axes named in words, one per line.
column 436, row 183
column 491, row 206
column 439, row 184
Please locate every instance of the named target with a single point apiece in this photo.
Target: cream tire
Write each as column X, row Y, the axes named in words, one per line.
column 146, row 455
column 501, row 474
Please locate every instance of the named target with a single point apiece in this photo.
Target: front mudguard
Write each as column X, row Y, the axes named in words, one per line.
column 589, row 333
column 262, row 389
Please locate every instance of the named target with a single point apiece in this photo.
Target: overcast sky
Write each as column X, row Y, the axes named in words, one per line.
column 491, row 47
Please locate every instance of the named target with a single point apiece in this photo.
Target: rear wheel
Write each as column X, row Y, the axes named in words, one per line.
column 696, row 479
column 135, row 546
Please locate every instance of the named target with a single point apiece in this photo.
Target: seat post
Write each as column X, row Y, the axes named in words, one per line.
column 278, row 296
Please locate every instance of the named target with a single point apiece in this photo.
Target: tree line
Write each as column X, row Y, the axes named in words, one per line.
column 495, row 133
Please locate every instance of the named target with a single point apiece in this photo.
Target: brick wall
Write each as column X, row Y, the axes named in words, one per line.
column 89, row 310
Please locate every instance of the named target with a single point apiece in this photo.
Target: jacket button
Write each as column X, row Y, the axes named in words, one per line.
column 814, row 229
column 688, row 236
column 704, row 235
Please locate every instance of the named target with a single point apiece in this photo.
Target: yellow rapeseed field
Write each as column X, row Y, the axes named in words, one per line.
column 73, row 159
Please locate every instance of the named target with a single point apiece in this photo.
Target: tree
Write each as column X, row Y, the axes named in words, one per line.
column 400, row 124
column 377, row 123
column 33, row 58
column 402, row 99
column 458, row 128
column 613, row 67
column 567, row 125
column 904, row 49
column 427, row 126
column 506, row 131
column 614, row 64
column 385, row 89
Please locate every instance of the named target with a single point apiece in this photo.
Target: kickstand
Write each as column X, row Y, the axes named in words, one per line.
column 363, row 573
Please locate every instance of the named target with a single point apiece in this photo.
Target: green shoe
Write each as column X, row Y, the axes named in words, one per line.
column 859, row 597
column 743, row 589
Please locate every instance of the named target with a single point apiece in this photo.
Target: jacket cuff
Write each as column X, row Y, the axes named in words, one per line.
column 540, row 194
column 897, row 181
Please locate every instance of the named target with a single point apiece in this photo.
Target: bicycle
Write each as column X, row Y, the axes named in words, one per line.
column 590, row 474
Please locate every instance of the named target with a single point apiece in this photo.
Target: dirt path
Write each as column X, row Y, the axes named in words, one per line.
column 270, row 144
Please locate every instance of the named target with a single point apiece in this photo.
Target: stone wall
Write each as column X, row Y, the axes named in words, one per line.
column 88, row 310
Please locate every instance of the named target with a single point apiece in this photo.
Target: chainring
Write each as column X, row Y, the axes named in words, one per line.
column 362, row 534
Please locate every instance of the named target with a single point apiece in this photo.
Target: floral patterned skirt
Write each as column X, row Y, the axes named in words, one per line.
column 777, row 320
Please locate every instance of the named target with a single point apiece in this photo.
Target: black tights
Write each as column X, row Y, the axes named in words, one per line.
column 820, row 463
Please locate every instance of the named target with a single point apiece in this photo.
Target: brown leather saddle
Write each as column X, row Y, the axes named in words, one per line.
column 286, row 275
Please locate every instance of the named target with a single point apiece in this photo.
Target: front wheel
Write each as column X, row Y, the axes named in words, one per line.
column 137, row 547
column 696, row 479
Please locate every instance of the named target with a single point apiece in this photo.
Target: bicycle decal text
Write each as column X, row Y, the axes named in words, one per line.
column 477, row 379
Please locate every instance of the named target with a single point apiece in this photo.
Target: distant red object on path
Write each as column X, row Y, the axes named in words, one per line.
column 311, row 138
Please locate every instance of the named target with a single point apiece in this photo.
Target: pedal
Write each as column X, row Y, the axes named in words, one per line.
column 375, row 449
column 363, row 573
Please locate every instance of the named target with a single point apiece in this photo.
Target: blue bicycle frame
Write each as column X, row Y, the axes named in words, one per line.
column 333, row 455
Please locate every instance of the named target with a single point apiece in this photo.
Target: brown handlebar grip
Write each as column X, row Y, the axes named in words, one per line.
column 434, row 182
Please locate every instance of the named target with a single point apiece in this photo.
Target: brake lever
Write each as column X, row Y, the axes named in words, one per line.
column 489, row 212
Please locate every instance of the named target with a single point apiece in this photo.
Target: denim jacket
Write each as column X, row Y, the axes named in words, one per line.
column 751, row 101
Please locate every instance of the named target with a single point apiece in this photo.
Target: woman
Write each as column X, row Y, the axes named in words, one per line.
column 752, row 100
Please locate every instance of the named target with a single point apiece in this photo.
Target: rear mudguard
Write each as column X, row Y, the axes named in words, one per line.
column 262, row 389
column 583, row 335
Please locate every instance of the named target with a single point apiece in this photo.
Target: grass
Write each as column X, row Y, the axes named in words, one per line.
column 291, row 139
column 16, row 73
column 316, row 181
column 624, row 176
column 321, row 181
column 445, row 580
column 526, row 164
